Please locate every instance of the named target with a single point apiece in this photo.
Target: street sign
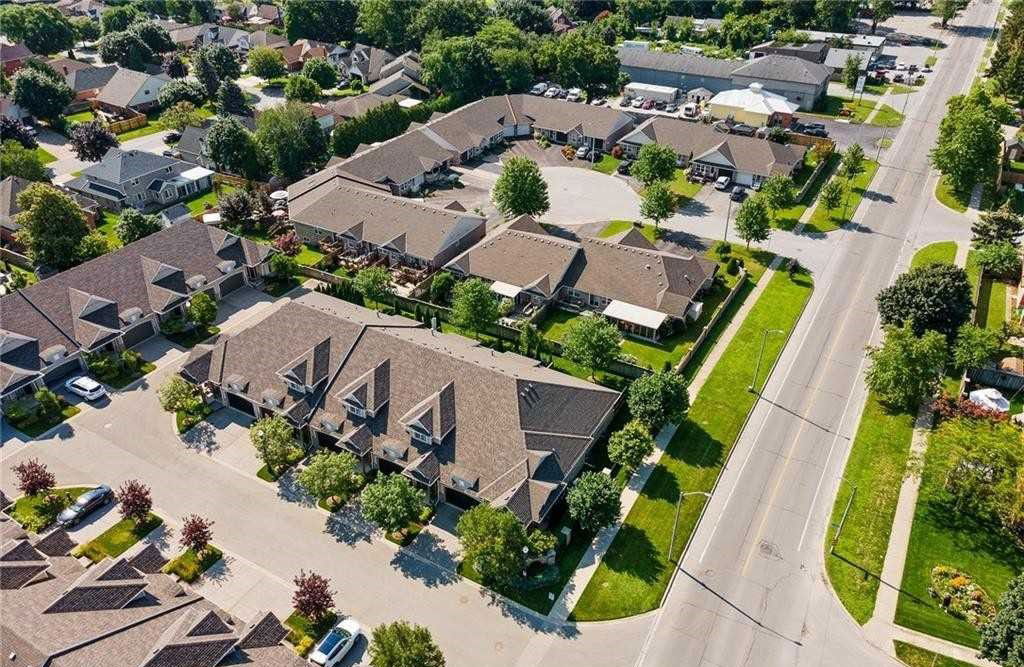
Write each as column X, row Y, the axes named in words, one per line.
column 861, row 80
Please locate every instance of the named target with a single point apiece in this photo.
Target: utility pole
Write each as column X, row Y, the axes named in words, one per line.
column 728, row 214
column 757, row 368
column 675, row 521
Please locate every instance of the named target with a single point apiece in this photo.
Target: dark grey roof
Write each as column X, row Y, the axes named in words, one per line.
column 211, row 624
column 785, row 68
column 268, row 631
column 16, row 576
column 121, row 570
column 56, row 543
column 118, row 166
column 90, row 77
column 96, row 598
column 9, row 189
column 21, row 551
column 680, row 63
column 149, row 560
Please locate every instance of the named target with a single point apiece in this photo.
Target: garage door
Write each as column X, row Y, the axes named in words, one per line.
column 60, row 372
column 231, row 283
column 459, row 499
column 134, row 336
column 325, row 440
column 239, row 403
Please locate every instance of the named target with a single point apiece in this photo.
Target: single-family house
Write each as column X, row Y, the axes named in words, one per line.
column 267, row 38
column 263, row 14
column 13, row 56
column 366, row 63
column 85, row 79
column 747, row 160
column 466, row 425
column 204, row 34
column 9, row 109
column 122, row 612
column 401, row 76
column 647, row 292
column 141, row 180
column 89, row 8
column 118, row 300
column 191, row 147
column 752, row 105
column 347, row 108
column 329, row 206
column 130, row 90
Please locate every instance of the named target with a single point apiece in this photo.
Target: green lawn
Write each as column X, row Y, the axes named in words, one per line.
column 941, row 252
column 107, row 225
column 878, row 459
column 636, row 570
column 192, row 337
column 81, row 116
column 825, row 220
column 34, row 426
column 267, row 475
column 951, row 199
column 887, row 117
column 154, row 125
column 117, row 539
column 831, row 107
column 34, row 514
column 973, row 269
column 914, row 656
column 188, row 566
column 197, row 204
column 931, row 60
column 975, row 545
column 615, row 227
column 607, row 164
column 682, row 187
column 301, row 628
column 787, row 218
column 122, row 379
column 308, row 256
column 992, row 304
column 45, row 156
column 1016, row 165
column 186, row 420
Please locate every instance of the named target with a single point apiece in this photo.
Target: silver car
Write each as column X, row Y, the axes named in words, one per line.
column 84, row 505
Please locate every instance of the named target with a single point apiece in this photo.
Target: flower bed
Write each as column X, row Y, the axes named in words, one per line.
column 189, row 566
column 960, row 596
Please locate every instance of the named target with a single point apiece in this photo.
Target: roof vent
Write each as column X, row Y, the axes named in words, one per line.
column 227, row 266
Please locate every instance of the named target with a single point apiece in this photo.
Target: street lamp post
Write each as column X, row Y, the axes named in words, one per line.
column 728, row 214
column 675, row 521
column 757, row 368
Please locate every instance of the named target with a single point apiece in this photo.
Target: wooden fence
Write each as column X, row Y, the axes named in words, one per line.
column 712, row 322
column 133, row 123
column 17, row 259
column 809, row 183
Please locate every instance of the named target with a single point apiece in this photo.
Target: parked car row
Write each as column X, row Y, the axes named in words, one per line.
column 553, row 91
column 813, row 129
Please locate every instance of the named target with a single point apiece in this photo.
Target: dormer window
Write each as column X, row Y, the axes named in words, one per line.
column 355, row 411
column 296, row 387
column 421, row 437
column 393, row 453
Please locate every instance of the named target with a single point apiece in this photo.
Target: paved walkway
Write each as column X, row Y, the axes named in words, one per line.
column 879, row 101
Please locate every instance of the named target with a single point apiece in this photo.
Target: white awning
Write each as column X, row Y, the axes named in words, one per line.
column 504, row 289
column 627, row 312
column 195, row 173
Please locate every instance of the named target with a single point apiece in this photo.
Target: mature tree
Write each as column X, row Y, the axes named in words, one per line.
column 202, row 310
column 323, row 20
column 92, row 245
column 33, row 477
column 983, row 466
column 374, row 283
column 237, row 209
column 196, row 533
column 450, row 18
column 933, row 297
column 391, row 502
column 778, row 192
column 233, row 148
column 851, row 71
column 283, row 266
column 441, row 286
column 135, row 500
column 182, row 90
column 658, row 203
column 831, row 195
column 1001, row 260
column 42, row 96
column 493, row 540
column 92, row 140
column 86, row 29
column 178, row 395
column 1011, row 77
column 12, row 129
column 322, row 72
column 881, row 11
column 181, row 115
column 967, row 148
column 223, row 61
column 460, row 66
column 474, row 306
column 401, row 644
column 527, row 15
column 1002, row 638
column 231, row 99
column 42, row 28
column 853, row 161
column 947, row 10
column 133, row 225
column 51, row 224
column 118, row 18
column 753, row 222
column 630, row 445
column 302, row 89
column 586, row 62
column 126, row 49
column 975, row 346
column 153, row 35
column 591, row 342
column 907, row 368
column 274, row 440
column 16, row 160
column 514, row 68
column 654, row 162
column 594, row 501
column 331, row 476
column 521, row 189
column 313, row 597
column 266, row 63
column 205, row 73
column 387, row 23
column 1001, row 225
column 292, row 139
column 657, row 398
column 192, row 12
column 380, row 123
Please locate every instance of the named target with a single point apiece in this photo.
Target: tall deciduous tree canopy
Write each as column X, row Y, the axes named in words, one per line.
column 274, row 440
column 658, row 398
column 1002, row 639
column 321, row 71
column 657, row 203
column 266, row 63
column 133, row 225
column 118, row 18
column 967, row 148
column 753, row 223
column 654, row 162
column 391, row 502
column 450, row 18
column 594, row 501
column 292, row 139
column 934, row 297
column 233, row 149
column 387, row 23
column 51, row 225
column 521, row 189
column 323, row 20
column 460, row 66
column 16, row 160
column 492, row 540
column 907, row 368
column 630, row 445
column 474, row 305
column 153, row 35
column 401, row 644
column 91, row 140
column 591, row 342
column 42, row 28
column 586, row 62
column 527, row 15
column 41, row 95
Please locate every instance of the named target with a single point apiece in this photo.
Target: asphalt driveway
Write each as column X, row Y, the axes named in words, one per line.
column 579, row 196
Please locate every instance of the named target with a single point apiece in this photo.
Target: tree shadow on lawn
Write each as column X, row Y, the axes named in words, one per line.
column 694, row 446
column 970, row 532
column 868, row 574
column 526, row 617
column 636, row 556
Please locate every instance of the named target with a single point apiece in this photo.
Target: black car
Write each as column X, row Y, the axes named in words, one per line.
column 744, row 130
column 738, row 193
column 84, row 505
column 813, row 131
column 173, row 136
column 624, row 167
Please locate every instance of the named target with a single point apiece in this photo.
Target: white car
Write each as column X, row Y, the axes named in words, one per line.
column 722, row 182
column 85, row 387
column 336, row 643
column 553, row 91
column 539, row 89
column 582, row 152
column 901, row 67
column 574, row 95
column 637, row 102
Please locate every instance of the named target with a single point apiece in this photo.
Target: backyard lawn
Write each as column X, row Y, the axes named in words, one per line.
column 787, row 218
column 81, row 117
column 607, row 164
column 197, row 204
column 826, row 220
column 117, row 539
column 45, row 156
column 992, row 304
column 942, row 534
column 878, row 460
column 154, row 125
column 636, row 570
column 941, row 252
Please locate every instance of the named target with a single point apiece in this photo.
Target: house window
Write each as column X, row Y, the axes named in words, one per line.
column 420, row 437
column 353, row 410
